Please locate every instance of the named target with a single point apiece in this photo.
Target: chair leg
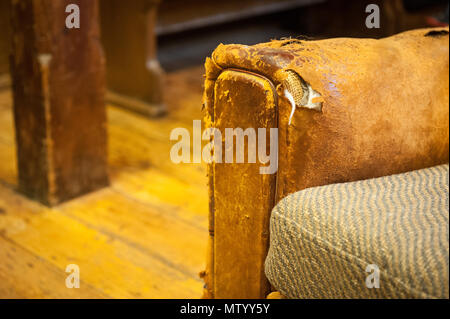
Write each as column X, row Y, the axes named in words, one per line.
column 275, row 295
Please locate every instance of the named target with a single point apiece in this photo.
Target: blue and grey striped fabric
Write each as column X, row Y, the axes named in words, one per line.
column 332, row 241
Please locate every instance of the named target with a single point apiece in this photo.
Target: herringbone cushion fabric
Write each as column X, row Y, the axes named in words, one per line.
column 322, row 239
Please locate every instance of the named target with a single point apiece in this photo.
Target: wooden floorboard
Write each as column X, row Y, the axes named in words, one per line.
column 23, row 274
column 143, row 237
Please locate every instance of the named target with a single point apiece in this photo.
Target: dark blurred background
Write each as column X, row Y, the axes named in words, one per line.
column 189, row 30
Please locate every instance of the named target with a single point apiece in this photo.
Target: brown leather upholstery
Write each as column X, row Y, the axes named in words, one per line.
column 384, row 111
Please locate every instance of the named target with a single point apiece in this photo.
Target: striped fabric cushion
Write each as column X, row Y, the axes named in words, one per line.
column 332, row 241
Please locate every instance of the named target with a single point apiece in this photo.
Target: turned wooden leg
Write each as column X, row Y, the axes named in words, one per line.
column 58, row 89
column 134, row 75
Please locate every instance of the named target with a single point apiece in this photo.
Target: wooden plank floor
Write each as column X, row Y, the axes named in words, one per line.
column 143, row 237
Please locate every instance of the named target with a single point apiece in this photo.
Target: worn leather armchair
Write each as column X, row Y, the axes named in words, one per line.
column 345, row 109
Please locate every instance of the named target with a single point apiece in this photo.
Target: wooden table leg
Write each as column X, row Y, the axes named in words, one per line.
column 134, row 76
column 58, row 88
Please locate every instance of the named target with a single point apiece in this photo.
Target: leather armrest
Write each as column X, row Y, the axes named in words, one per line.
column 384, row 104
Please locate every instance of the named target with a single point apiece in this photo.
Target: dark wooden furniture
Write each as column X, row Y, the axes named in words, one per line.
column 59, row 111
column 134, row 76
column 177, row 16
column 5, row 43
